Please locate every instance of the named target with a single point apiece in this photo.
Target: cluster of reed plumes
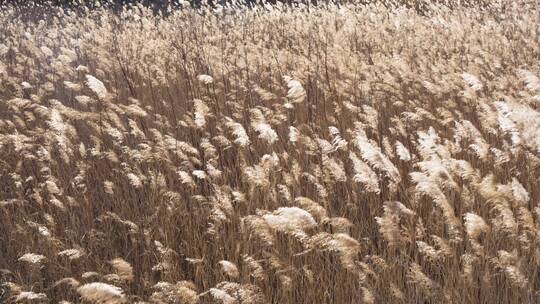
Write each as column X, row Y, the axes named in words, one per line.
column 272, row 154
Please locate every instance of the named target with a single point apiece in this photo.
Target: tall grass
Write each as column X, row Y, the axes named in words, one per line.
column 273, row 154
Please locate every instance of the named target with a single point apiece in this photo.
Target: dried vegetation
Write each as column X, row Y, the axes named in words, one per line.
column 330, row 154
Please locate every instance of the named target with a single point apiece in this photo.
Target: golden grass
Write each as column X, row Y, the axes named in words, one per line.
column 331, row 154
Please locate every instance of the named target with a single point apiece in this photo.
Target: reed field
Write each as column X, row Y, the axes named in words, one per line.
column 382, row 152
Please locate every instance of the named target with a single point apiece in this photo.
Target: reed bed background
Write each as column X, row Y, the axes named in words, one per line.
column 377, row 153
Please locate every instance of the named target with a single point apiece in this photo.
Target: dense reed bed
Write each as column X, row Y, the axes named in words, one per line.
column 273, row 154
